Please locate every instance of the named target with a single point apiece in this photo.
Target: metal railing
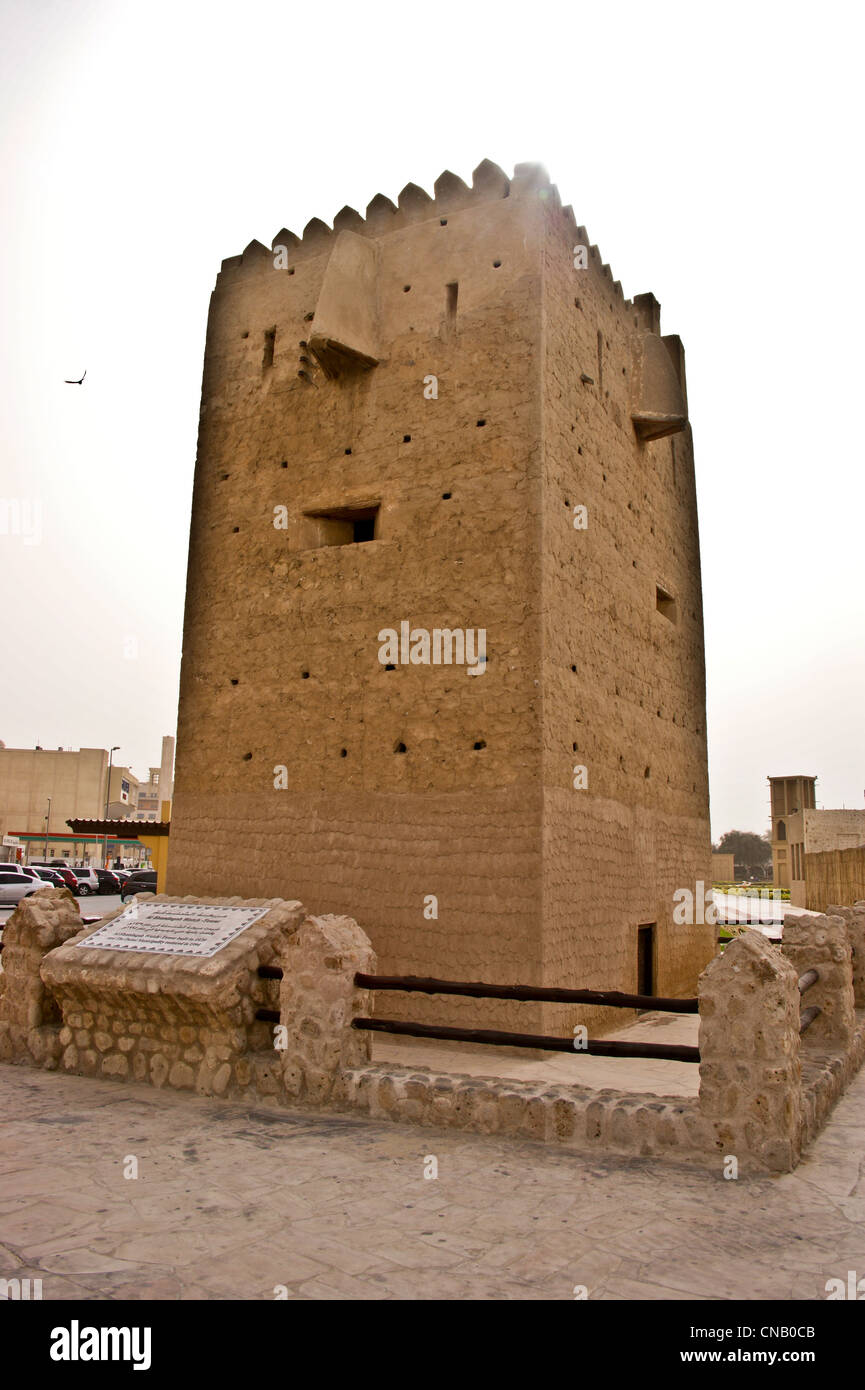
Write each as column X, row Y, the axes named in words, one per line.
column 494, row 1037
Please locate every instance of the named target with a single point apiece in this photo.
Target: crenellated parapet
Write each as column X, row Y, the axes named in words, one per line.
column 450, row 196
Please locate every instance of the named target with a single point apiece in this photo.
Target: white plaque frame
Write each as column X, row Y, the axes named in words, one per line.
column 174, row 929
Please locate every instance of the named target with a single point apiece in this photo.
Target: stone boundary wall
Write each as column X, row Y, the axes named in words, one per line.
column 189, row 1023
column 30, row 1018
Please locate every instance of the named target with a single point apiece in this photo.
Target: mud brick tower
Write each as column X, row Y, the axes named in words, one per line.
column 402, row 418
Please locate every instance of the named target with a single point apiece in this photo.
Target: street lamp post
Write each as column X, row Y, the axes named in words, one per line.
column 107, row 803
column 47, row 823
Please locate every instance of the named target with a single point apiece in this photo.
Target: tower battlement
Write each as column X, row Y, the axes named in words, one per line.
column 414, row 204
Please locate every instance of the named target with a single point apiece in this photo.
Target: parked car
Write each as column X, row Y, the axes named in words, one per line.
column 14, row 887
column 141, row 881
column 34, row 871
column 87, row 880
column 67, row 876
column 108, row 880
column 48, row 876
column 62, row 869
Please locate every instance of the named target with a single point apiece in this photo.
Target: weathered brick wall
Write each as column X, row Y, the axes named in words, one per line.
column 280, row 658
column 372, row 832
column 624, row 688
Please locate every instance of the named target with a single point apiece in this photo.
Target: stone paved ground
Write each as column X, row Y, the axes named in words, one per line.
column 230, row 1202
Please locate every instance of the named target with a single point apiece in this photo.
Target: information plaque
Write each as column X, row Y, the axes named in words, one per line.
column 174, row 929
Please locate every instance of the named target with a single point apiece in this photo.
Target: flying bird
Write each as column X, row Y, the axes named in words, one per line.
column 75, row 383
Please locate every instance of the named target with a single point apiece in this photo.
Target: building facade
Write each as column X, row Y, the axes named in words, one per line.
column 159, row 786
column 42, row 789
column 789, row 796
column 443, row 648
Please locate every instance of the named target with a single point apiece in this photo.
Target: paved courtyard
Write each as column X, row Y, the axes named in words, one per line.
column 231, row 1202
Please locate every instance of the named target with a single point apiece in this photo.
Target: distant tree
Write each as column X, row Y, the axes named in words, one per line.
column 750, row 852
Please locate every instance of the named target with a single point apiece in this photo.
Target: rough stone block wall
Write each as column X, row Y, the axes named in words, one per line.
column 750, row 1074
column 854, row 917
column 319, row 1000
column 187, row 1022
column 181, row 1021
column 30, row 1020
column 823, row 944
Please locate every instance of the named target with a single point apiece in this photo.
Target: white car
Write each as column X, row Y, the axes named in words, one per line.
column 25, row 870
column 15, row 886
column 88, row 882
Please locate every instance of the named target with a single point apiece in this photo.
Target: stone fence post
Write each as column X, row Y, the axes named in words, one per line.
column 29, row 1015
column 823, row 943
column 854, row 918
column 317, row 1001
column 750, row 1091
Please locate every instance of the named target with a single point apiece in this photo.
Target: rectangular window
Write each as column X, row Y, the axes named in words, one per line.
column 646, row 959
column 665, row 604
column 451, row 294
column 346, row 525
column 269, row 345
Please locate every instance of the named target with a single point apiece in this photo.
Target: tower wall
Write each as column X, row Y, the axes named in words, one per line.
column 534, row 880
column 374, row 832
column 624, row 685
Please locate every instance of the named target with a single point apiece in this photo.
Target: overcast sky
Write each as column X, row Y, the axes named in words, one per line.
column 715, row 156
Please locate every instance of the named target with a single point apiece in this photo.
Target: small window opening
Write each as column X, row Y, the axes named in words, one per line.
column 665, row 604
column 345, row 525
column 284, row 463
column 479, row 745
column 481, row 424
column 348, row 451
column 451, row 296
column 406, row 439
column 446, row 496
column 269, row 345
column 343, row 752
